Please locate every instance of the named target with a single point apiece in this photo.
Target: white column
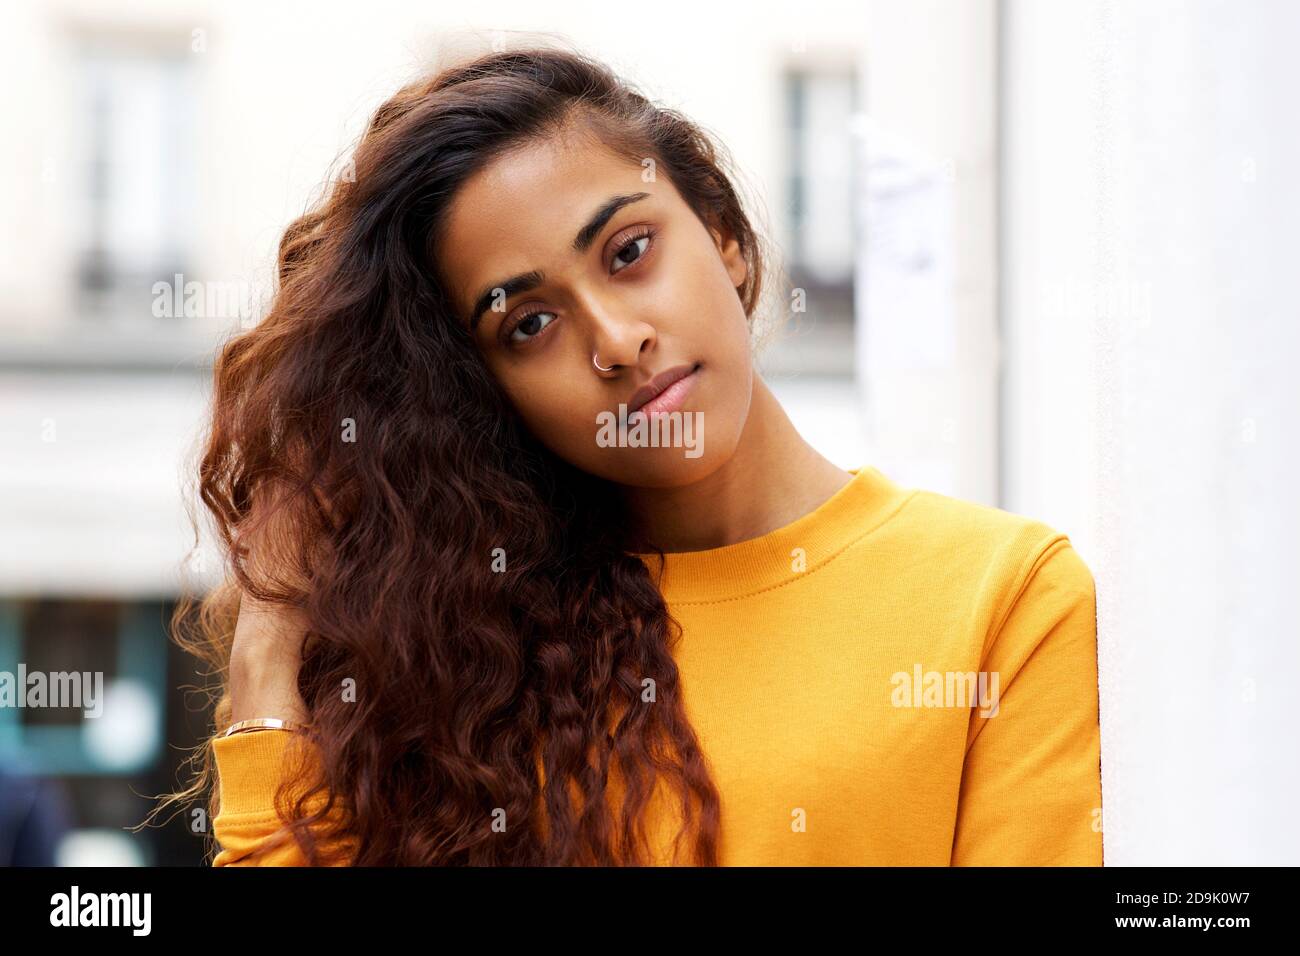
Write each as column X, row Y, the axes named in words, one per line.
column 1151, row 292
column 927, row 331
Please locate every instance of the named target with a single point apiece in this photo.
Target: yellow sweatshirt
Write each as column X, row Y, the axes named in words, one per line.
column 896, row 678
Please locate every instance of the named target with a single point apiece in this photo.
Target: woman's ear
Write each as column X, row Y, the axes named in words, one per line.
column 732, row 256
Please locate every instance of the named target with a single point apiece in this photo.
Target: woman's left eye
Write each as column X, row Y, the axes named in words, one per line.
column 633, row 248
column 531, row 327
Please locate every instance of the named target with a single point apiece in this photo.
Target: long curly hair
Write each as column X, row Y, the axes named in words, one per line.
column 357, row 435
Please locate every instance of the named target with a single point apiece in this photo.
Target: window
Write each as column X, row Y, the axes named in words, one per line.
column 107, row 660
column 821, row 175
column 135, row 212
column 821, row 235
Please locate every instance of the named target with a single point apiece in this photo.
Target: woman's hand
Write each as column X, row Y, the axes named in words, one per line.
column 267, row 650
column 264, row 662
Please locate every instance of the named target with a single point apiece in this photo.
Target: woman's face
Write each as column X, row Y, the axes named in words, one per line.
column 646, row 287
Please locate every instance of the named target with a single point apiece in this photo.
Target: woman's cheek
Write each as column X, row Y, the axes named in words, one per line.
column 667, row 294
column 568, row 432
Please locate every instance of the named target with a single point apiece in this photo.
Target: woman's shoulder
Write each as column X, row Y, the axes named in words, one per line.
column 999, row 544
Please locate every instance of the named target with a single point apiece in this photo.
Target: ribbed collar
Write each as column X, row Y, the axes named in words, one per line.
column 735, row 570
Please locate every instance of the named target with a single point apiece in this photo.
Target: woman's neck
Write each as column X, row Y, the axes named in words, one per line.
column 773, row 478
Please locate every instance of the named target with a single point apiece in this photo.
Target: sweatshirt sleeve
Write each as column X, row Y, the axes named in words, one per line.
column 1031, row 782
column 247, row 827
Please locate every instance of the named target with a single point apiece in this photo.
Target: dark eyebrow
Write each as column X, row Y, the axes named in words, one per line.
column 531, row 280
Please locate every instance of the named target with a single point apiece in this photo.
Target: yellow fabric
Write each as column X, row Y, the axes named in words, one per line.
column 800, row 662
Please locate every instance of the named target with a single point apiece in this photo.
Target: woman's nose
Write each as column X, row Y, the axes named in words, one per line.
column 616, row 336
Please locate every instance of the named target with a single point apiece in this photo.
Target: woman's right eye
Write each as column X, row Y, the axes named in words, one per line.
column 530, row 325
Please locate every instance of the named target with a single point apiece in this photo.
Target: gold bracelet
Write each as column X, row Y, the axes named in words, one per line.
column 265, row 723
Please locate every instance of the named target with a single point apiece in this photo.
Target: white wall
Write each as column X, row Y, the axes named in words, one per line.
column 927, row 334
column 1152, row 295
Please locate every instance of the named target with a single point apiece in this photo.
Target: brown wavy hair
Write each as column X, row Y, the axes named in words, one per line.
column 472, row 684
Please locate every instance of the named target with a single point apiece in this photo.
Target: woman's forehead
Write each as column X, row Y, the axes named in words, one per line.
column 540, row 185
column 524, row 210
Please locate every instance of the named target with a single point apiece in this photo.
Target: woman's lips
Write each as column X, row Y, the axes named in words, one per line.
column 672, row 398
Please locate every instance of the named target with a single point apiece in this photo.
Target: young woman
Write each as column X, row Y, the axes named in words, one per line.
column 502, row 634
